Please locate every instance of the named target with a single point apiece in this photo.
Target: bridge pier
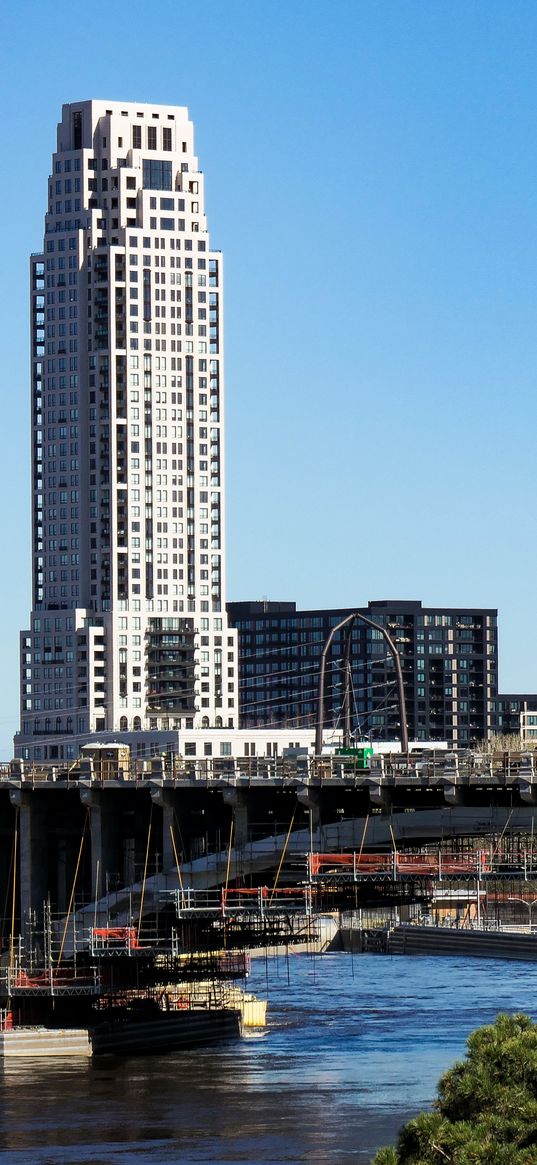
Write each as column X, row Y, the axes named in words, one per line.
column 238, row 805
column 104, row 837
column 33, row 851
column 311, row 798
column 526, row 776
column 165, row 799
column 452, row 791
column 527, row 793
column 379, row 797
column 453, row 795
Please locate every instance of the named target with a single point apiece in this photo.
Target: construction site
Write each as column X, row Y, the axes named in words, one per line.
column 443, row 839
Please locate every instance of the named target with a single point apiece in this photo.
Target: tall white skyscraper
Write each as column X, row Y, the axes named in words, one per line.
column 128, row 627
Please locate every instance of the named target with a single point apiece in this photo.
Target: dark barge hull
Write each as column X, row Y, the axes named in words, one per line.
column 169, row 1032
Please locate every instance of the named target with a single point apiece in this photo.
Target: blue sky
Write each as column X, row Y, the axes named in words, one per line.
column 371, row 178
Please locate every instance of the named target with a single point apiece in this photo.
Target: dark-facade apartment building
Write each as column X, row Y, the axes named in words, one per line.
column 511, row 711
column 449, row 660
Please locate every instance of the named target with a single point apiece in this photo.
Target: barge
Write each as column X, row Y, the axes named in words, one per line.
column 117, row 994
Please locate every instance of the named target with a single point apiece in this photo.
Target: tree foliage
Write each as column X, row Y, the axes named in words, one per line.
column 500, row 742
column 486, row 1110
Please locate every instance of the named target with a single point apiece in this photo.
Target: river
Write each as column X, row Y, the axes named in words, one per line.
column 354, row 1046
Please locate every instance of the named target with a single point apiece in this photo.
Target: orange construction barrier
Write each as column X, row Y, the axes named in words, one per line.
column 117, row 934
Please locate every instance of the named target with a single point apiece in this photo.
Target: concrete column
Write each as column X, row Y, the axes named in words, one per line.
column 379, row 797
column 452, row 792
column 311, row 798
column 103, row 837
column 33, row 851
column 165, row 799
column 527, row 792
column 453, row 795
column 526, row 776
column 237, row 801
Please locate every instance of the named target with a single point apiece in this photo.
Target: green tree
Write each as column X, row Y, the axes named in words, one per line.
column 486, row 1110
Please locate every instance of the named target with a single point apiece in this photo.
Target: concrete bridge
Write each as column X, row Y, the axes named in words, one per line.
column 112, row 826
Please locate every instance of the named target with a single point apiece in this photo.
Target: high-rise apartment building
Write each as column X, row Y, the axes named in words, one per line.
column 128, row 627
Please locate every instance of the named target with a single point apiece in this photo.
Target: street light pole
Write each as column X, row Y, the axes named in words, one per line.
column 529, row 905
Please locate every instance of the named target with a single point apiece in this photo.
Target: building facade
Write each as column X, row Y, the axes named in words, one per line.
column 516, row 715
column 449, row 661
column 128, row 628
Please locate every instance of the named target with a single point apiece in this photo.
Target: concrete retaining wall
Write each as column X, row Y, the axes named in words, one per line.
column 482, row 944
column 436, row 940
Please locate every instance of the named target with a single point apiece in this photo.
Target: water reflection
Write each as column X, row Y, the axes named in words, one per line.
column 354, row 1047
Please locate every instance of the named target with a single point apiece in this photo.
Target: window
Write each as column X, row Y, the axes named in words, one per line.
column 151, row 137
column 166, row 138
column 136, row 137
column 77, row 131
column 190, row 748
column 225, row 748
column 157, row 175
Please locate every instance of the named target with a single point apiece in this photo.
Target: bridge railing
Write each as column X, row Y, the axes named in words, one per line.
column 429, row 767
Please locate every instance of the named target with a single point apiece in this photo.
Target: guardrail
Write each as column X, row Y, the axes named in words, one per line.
column 50, row 981
column 476, row 864
column 259, row 900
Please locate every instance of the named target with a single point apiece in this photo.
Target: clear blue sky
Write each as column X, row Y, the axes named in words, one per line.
column 371, row 178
